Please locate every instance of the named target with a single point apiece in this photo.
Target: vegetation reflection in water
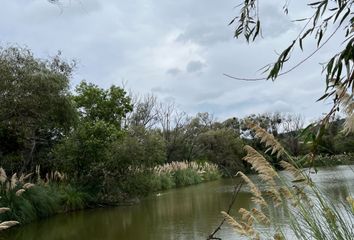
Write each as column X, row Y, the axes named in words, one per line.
column 185, row 213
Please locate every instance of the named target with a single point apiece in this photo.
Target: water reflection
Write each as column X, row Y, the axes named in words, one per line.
column 186, row 213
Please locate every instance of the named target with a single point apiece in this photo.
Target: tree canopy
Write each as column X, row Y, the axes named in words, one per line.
column 35, row 108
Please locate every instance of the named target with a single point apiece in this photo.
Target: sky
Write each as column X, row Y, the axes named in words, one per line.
column 177, row 50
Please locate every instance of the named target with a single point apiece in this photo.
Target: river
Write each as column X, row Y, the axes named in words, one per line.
column 185, row 213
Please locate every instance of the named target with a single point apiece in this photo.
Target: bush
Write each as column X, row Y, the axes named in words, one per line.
column 141, row 184
column 186, row 177
column 72, row 198
column 210, row 176
column 36, row 202
column 166, row 181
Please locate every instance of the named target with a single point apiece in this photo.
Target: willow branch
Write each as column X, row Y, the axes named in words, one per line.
column 292, row 68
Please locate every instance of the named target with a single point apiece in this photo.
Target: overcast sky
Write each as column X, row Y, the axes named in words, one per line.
column 176, row 49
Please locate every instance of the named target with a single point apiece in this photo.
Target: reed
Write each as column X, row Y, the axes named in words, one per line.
column 311, row 214
column 29, row 201
column 6, row 224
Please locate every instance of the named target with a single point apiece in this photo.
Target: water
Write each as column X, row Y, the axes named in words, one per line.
column 185, row 213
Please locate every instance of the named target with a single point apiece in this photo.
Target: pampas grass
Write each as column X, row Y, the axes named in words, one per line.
column 206, row 171
column 29, row 201
column 311, row 214
column 6, row 224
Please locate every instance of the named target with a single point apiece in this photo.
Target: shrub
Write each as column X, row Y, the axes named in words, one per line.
column 140, row 184
column 166, row 181
column 186, row 177
column 6, row 224
column 311, row 214
column 72, row 198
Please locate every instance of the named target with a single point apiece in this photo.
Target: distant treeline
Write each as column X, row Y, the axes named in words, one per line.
column 100, row 137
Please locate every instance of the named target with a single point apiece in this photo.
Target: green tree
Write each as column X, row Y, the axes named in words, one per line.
column 96, row 104
column 87, row 152
column 35, row 106
column 224, row 148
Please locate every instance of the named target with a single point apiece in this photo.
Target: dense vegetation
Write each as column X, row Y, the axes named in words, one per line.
column 99, row 146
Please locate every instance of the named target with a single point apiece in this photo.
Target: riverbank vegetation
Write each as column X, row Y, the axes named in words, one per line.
column 311, row 215
column 92, row 147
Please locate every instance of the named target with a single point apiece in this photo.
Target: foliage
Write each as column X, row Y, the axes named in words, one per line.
column 96, row 104
column 327, row 15
column 35, row 106
column 113, row 148
column 185, row 173
column 71, row 198
column 85, row 154
column 140, row 184
column 87, row 145
column 186, row 177
column 29, row 201
column 169, row 175
column 224, row 148
column 311, row 214
column 166, row 181
column 6, row 224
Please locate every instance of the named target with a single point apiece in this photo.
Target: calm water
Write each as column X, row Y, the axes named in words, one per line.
column 186, row 213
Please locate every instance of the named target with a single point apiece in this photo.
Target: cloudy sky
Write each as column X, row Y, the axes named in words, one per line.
column 177, row 50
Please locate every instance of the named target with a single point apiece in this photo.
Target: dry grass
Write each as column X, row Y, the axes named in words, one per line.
column 6, row 224
column 320, row 218
column 172, row 167
column 345, row 100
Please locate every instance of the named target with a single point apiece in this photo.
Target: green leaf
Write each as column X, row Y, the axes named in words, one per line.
column 306, row 33
column 314, row 3
column 323, row 97
column 345, row 16
column 339, row 12
column 320, row 37
column 258, row 27
column 300, row 42
column 299, row 180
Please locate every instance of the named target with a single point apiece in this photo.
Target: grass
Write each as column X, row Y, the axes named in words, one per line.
column 312, row 215
column 29, row 201
column 30, row 197
column 167, row 176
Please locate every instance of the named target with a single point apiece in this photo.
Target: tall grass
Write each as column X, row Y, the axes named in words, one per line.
column 27, row 201
column 166, row 176
column 6, row 224
column 185, row 173
column 311, row 214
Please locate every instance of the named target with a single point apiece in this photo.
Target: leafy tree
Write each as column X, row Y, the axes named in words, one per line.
column 35, row 106
column 86, row 151
column 268, row 121
column 224, row 148
column 87, row 145
column 96, row 104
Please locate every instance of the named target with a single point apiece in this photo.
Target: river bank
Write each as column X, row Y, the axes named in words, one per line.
column 53, row 196
column 41, row 198
column 183, row 213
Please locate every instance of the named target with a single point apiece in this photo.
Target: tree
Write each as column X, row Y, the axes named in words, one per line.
column 172, row 123
column 224, row 148
column 339, row 69
column 292, row 126
column 144, row 112
column 89, row 143
column 35, row 106
column 96, row 104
